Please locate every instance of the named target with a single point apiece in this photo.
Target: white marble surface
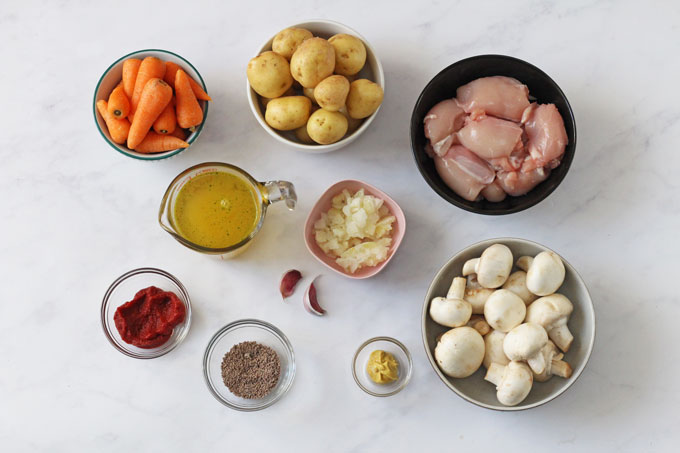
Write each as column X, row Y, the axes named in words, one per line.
column 76, row 214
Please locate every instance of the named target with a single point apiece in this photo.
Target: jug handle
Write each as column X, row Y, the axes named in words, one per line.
column 280, row 190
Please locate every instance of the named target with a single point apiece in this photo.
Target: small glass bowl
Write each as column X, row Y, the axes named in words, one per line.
column 123, row 289
column 387, row 344
column 237, row 332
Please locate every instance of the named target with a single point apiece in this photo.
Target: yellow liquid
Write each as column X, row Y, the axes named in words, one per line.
column 216, row 210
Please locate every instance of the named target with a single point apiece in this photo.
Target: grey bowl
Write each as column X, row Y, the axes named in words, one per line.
column 582, row 325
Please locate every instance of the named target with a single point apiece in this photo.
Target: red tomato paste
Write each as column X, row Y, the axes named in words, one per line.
column 147, row 320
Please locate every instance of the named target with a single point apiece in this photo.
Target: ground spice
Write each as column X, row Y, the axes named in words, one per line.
column 251, row 370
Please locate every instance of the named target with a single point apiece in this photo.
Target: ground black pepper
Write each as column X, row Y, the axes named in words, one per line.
column 251, row 370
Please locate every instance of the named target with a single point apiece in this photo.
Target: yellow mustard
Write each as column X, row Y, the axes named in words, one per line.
column 382, row 367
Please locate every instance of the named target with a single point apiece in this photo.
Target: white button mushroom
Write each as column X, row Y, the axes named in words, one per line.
column 545, row 272
column 504, row 310
column 517, row 283
column 525, row 342
column 513, row 382
column 552, row 312
column 493, row 349
column 459, row 352
column 492, row 268
column 555, row 366
column 452, row 310
column 476, row 295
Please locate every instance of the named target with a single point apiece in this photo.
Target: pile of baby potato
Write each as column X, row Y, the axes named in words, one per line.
column 307, row 85
column 513, row 323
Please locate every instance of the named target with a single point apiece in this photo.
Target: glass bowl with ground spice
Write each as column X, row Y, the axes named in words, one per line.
column 249, row 365
column 382, row 366
column 146, row 313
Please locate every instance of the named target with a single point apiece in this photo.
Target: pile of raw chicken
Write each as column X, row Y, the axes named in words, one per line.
column 489, row 141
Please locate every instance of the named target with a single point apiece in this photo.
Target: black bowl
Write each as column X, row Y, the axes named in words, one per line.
column 444, row 85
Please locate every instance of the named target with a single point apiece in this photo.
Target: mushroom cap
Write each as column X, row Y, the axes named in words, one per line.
column 515, row 385
column 504, row 310
column 550, row 311
column 494, row 266
column 546, row 274
column 525, row 341
column 450, row 312
column 517, row 283
column 460, row 352
column 493, row 349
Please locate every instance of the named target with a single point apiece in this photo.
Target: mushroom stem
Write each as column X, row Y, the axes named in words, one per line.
column 457, row 289
column 479, row 324
column 524, row 262
column 495, row 373
column 470, row 267
column 561, row 368
column 562, row 337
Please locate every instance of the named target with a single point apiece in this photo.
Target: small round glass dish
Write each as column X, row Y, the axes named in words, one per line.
column 387, row 344
column 123, row 289
column 233, row 334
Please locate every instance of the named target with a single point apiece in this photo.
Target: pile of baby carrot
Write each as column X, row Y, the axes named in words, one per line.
column 152, row 106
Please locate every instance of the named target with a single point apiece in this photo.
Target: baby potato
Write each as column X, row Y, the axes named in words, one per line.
column 264, row 101
column 269, row 74
column 325, row 127
column 313, row 61
column 309, row 92
column 288, row 113
column 331, row 92
column 352, row 124
column 350, row 54
column 364, row 98
column 302, row 135
column 287, row 41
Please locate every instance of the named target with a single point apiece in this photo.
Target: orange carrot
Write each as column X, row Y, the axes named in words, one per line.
column 189, row 113
column 179, row 133
column 150, row 68
column 155, row 97
column 118, row 128
column 130, row 69
column 119, row 105
column 156, row 143
column 166, row 123
column 170, row 73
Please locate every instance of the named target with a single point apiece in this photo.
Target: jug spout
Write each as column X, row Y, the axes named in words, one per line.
column 281, row 191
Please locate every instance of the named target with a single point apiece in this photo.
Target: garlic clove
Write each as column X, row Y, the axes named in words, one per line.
column 288, row 282
column 310, row 301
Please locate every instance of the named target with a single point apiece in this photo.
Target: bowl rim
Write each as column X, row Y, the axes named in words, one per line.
column 397, row 343
column 565, row 162
column 575, row 376
column 378, row 267
column 317, row 148
column 152, row 156
column 186, row 324
column 249, row 322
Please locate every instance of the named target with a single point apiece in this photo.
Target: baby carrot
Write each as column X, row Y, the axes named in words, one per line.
column 130, row 68
column 156, row 143
column 189, row 112
column 179, row 133
column 150, row 68
column 167, row 120
column 118, row 128
column 170, row 73
column 119, row 105
column 155, row 97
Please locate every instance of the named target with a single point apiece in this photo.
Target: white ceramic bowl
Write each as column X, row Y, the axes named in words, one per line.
column 113, row 75
column 372, row 70
column 581, row 324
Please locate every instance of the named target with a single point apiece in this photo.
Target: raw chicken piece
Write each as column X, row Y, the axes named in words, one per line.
column 441, row 122
column 516, row 183
column 546, row 133
column 490, row 138
column 494, row 192
column 513, row 162
column 499, row 96
column 464, row 172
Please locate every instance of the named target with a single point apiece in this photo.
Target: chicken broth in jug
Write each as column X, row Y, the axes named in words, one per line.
column 216, row 210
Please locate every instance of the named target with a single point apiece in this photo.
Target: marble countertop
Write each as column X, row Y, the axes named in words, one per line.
column 76, row 215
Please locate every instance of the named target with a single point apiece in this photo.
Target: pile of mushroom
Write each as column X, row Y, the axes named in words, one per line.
column 512, row 323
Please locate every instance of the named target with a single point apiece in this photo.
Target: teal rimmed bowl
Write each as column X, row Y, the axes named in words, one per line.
column 113, row 75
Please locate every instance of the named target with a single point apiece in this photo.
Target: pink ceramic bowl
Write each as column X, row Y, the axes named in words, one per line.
column 324, row 204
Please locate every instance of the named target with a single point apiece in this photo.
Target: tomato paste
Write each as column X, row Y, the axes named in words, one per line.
column 147, row 320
